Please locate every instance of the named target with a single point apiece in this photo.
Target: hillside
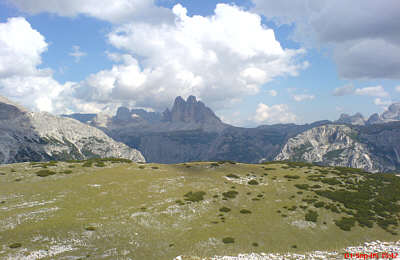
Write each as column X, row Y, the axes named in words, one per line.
column 374, row 148
column 40, row 136
column 117, row 209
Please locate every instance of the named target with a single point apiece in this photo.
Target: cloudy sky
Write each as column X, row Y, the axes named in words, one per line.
column 252, row 61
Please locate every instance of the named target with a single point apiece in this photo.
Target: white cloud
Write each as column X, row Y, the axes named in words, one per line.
column 274, row 114
column 377, row 91
column 302, row 97
column 365, row 38
column 77, row 53
column 397, row 88
column 20, row 47
column 116, row 11
column 383, row 103
column 272, row 92
column 345, row 90
column 217, row 58
column 20, row 55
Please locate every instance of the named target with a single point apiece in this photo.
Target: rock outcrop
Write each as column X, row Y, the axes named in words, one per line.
column 356, row 119
column 29, row 136
column 335, row 145
column 392, row 114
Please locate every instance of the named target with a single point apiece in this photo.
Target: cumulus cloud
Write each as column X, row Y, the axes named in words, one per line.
column 383, row 103
column 274, row 114
column 302, row 97
column 343, row 91
column 20, row 55
column 377, row 91
column 77, row 53
column 116, row 11
column 364, row 34
column 217, row 58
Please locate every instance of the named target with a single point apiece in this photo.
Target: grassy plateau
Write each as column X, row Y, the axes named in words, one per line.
column 116, row 209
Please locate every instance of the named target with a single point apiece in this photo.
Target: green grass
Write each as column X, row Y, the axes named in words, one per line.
column 138, row 213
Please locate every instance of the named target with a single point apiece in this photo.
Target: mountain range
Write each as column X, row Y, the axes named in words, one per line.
column 29, row 136
column 190, row 131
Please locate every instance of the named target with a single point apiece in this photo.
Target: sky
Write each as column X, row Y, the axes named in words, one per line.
column 253, row 62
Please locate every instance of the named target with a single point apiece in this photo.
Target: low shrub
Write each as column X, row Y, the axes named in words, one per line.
column 15, row 245
column 100, row 164
column 67, row 172
column 45, row 173
column 87, row 164
column 224, row 209
column 91, row 228
column 230, row 194
column 345, row 223
column 293, row 177
column 253, row 182
column 311, row 216
column 302, row 186
column 245, row 211
column 319, row 204
column 231, row 175
column 194, row 196
column 228, row 240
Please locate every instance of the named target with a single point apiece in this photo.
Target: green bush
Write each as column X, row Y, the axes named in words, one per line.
column 142, row 167
column 230, row 194
column 228, row 240
column 87, row 164
column 15, row 245
column 345, row 223
column 293, row 177
column 91, row 228
column 319, row 204
column 253, row 182
column 231, row 175
column 67, row 172
column 154, row 167
column 45, row 173
column 226, row 161
column 194, row 196
column 331, row 181
column 311, row 216
column 302, row 186
column 254, row 244
column 100, row 164
column 245, row 211
column 224, row 209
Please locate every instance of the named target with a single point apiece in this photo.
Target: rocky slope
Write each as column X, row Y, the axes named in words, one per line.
column 341, row 145
column 356, row 119
column 28, row 136
column 190, row 131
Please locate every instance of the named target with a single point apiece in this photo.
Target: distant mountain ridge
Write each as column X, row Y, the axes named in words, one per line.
column 29, row 136
column 392, row 114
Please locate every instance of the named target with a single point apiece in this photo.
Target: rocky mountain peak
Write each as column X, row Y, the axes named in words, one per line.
column 356, row 119
column 390, row 115
column 190, row 111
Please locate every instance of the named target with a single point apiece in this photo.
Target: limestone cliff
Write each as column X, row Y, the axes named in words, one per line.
column 29, row 136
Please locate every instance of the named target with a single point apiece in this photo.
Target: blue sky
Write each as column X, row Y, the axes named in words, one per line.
column 254, row 62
